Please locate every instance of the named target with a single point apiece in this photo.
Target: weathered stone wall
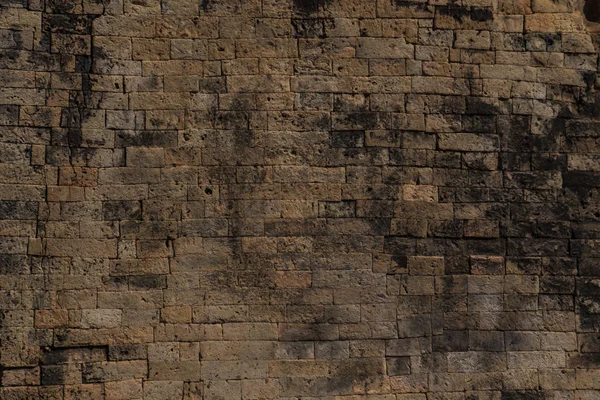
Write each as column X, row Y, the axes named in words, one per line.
column 333, row 199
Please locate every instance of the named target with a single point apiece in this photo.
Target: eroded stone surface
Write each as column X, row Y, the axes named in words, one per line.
column 244, row 199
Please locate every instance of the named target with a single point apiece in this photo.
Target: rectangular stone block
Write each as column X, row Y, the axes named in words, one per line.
column 221, row 370
column 82, row 247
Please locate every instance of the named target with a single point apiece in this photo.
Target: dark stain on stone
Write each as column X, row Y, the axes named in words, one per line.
column 589, row 106
column 243, row 139
column 73, row 116
column 308, row 7
column 522, row 395
column 67, row 23
column 115, row 282
column 576, row 181
column 206, row 5
column 121, row 209
column 399, row 264
column 146, row 139
column 248, row 275
column 15, row 264
column 516, row 42
column 54, row 361
column 379, row 226
column 588, row 309
column 361, row 120
column 552, row 40
column 51, row 355
column 63, row 355
column 589, row 77
column 345, row 139
column 584, row 361
column 418, row 6
column 18, row 210
column 147, row 282
column 460, row 13
column 61, row 337
column 310, row 27
column 53, row 374
column 62, row 6
column 451, row 341
column 123, row 352
column 517, row 136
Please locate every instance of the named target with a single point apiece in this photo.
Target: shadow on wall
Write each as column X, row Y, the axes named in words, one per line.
column 591, row 10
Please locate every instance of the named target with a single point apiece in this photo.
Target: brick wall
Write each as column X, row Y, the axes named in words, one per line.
column 317, row 199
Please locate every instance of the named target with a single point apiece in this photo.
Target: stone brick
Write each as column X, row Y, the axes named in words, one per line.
column 472, row 40
column 167, row 390
column 249, row 331
column 531, row 360
column 383, row 48
column 164, row 370
column 476, row 361
column 51, row 318
column 234, row 369
column 563, row 22
column 468, row 142
column 82, row 247
column 124, row 389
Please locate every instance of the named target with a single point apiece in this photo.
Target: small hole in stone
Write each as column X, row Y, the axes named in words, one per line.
column 208, row 191
column 591, row 10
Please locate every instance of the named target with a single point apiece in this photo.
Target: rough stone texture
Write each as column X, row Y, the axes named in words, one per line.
column 236, row 199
